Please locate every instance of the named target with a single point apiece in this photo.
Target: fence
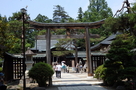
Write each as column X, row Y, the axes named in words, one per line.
column 97, row 60
column 12, row 67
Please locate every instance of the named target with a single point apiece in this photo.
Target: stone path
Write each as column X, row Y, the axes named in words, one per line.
column 68, row 81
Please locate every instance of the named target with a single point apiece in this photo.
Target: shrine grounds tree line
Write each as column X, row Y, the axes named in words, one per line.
column 11, row 27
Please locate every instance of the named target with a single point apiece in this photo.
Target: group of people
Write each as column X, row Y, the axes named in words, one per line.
column 80, row 68
column 60, row 67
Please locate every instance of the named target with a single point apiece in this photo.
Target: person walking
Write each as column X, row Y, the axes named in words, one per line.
column 77, row 68
column 55, row 68
column 85, row 67
column 81, row 68
column 67, row 69
column 58, row 70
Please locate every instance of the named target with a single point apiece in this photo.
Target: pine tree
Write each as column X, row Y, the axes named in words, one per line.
column 80, row 14
column 98, row 10
column 60, row 15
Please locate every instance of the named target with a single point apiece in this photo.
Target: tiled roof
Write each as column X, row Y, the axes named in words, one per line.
column 106, row 41
column 41, row 45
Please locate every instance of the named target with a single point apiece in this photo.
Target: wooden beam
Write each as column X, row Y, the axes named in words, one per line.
column 53, row 37
column 81, row 25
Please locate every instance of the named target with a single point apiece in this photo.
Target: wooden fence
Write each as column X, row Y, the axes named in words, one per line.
column 97, row 60
column 12, row 67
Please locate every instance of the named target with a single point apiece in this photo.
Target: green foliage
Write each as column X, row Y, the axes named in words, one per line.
column 42, row 32
column 97, row 10
column 61, row 47
column 99, row 72
column 96, row 40
column 59, row 32
column 42, row 18
column 63, row 43
column 80, row 14
column 111, row 24
column 6, row 38
column 1, row 69
column 41, row 73
column 120, row 64
column 62, row 53
column 59, row 14
column 123, row 23
column 120, row 59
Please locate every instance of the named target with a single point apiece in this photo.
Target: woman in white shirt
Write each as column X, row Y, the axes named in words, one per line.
column 58, row 70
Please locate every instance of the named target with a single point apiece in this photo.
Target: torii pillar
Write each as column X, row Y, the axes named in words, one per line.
column 48, row 51
column 48, row 43
column 88, row 53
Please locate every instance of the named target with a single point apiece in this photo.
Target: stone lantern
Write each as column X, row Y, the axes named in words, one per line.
column 29, row 59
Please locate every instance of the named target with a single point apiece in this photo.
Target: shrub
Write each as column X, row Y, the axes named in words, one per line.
column 1, row 69
column 99, row 72
column 41, row 73
column 120, row 64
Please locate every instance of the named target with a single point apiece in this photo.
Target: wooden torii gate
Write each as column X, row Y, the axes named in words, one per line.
column 68, row 26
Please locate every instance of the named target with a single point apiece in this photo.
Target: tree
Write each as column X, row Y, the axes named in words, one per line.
column 124, row 22
column 7, row 39
column 15, row 16
column 15, row 28
column 98, row 10
column 120, row 64
column 63, row 47
column 80, row 14
column 120, row 59
column 60, row 15
column 42, row 18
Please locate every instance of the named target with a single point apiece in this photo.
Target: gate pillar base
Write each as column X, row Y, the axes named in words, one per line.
column 90, row 74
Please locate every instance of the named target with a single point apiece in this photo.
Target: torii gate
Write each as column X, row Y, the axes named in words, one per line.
column 68, row 26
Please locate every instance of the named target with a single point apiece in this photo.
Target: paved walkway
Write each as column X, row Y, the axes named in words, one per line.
column 76, row 81
column 69, row 81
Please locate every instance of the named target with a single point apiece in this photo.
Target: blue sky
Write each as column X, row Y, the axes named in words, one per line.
column 45, row 7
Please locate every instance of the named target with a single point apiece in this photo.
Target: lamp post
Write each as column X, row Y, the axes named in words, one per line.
column 23, row 11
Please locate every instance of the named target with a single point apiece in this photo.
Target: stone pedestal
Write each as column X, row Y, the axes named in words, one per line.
column 29, row 65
